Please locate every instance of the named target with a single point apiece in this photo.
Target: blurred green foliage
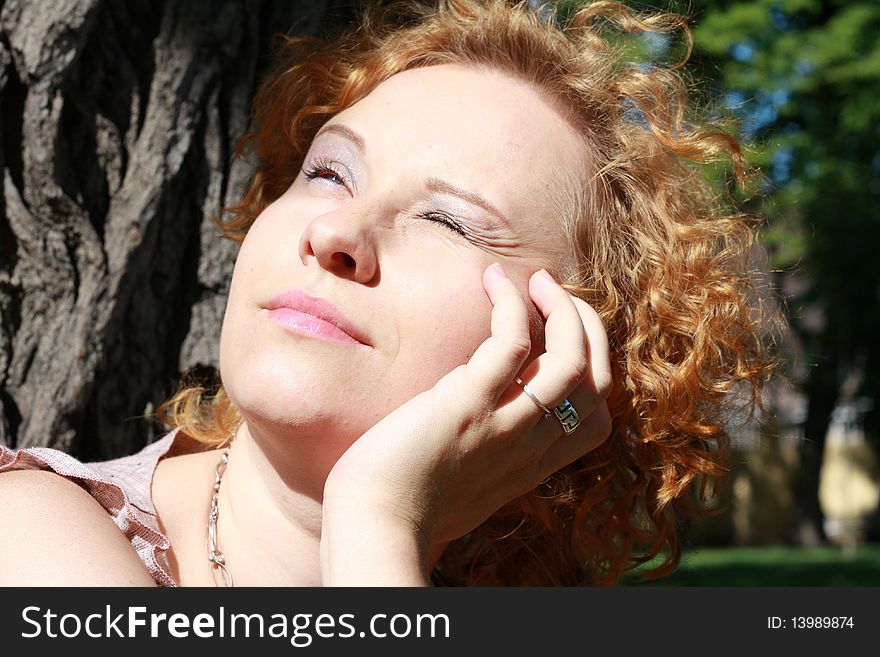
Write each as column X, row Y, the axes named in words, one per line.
column 804, row 76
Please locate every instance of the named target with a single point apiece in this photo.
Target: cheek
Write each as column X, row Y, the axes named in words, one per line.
column 270, row 239
column 445, row 317
column 276, row 232
column 448, row 316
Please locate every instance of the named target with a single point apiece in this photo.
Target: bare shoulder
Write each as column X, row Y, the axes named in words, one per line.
column 56, row 534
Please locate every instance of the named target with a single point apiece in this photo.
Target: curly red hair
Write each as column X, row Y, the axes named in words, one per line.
column 654, row 252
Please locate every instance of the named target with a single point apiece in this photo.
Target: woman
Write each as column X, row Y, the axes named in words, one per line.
column 449, row 206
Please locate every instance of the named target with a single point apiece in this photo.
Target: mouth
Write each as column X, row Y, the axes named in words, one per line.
column 315, row 317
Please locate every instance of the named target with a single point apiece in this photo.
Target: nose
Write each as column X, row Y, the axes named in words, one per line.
column 342, row 243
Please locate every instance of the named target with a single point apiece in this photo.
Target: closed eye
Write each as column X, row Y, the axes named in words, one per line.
column 443, row 219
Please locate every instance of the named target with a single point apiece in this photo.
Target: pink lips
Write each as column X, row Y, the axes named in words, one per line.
column 302, row 313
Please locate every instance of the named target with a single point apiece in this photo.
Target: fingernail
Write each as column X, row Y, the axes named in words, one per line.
column 547, row 275
column 499, row 269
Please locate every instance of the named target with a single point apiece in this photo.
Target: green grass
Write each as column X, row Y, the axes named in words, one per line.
column 773, row 566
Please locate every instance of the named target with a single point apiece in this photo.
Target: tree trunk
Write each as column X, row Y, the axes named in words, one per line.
column 118, row 123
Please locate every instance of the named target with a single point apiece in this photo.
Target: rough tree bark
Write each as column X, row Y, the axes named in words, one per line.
column 117, row 125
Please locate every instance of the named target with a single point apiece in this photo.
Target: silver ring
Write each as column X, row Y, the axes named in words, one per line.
column 566, row 414
column 531, row 396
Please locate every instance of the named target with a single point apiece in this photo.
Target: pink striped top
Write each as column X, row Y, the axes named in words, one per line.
column 121, row 486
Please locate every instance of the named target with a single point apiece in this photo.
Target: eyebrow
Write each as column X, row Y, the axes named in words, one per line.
column 346, row 132
column 433, row 184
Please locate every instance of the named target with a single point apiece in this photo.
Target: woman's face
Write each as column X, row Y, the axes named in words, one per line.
column 404, row 199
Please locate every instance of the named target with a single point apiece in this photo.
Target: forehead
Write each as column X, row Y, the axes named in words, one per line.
column 480, row 128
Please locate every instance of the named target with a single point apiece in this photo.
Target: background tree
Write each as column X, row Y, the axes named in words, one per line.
column 117, row 125
column 804, row 75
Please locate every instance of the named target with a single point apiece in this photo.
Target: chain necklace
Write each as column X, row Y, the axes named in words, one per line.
column 215, row 555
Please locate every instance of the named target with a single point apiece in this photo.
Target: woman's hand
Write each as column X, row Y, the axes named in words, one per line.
column 443, row 462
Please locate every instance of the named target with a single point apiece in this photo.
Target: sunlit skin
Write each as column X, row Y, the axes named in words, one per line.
column 374, row 227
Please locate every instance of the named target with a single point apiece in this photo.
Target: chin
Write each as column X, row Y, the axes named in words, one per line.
column 297, row 398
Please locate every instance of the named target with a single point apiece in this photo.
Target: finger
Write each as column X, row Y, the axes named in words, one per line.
column 554, row 374
column 593, row 391
column 592, row 432
column 497, row 360
column 564, row 328
column 595, row 388
column 549, row 429
column 597, row 346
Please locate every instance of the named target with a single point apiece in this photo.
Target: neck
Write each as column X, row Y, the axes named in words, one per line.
column 270, row 511
column 271, row 508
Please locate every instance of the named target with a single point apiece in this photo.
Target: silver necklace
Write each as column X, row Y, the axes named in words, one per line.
column 215, row 555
